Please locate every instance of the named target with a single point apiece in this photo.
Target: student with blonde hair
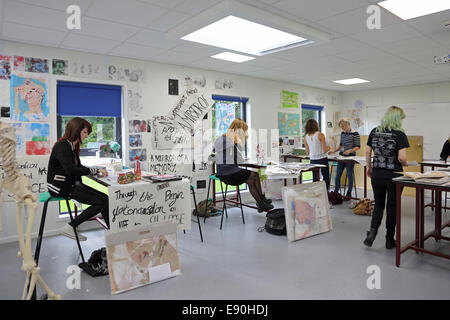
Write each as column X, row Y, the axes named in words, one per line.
column 388, row 143
column 228, row 148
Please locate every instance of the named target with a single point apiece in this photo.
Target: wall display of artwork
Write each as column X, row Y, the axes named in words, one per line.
column 122, row 73
column 141, row 153
column 289, row 124
column 37, row 138
column 223, row 84
column 86, row 69
column 5, row 93
column 135, row 101
column 137, row 126
column 173, row 87
column 19, row 63
column 5, row 67
column 29, row 99
column 306, row 210
column 135, row 141
column 60, row 67
column 289, row 99
column 36, row 65
column 5, row 112
column 142, row 256
column 225, row 114
column 356, row 122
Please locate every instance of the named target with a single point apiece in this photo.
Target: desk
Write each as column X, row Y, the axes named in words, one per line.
column 433, row 164
column 143, row 203
column 358, row 160
column 420, row 237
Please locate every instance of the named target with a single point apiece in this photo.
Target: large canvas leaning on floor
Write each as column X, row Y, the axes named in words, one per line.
column 142, row 256
column 306, row 209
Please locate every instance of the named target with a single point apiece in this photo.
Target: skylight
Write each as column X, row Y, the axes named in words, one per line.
column 351, row 81
column 233, row 57
column 408, row 9
column 242, row 35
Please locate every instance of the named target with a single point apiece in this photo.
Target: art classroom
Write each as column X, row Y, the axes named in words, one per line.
column 224, row 150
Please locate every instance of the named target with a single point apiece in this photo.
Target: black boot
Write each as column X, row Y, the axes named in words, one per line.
column 269, row 201
column 370, row 237
column 390, row 242
column 263, row 206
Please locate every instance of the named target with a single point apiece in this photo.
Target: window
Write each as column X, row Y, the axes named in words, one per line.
column 224, row 111
column 310, row 112
column 99, row 104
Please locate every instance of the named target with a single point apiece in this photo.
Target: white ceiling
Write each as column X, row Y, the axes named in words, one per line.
column 401, row 53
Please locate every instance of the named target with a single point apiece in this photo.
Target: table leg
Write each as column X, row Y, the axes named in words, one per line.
column 438, row 216
column 417, row 216
column 432, row 193
column 295, row 181
column 422, row 217
column 398, row 210
column 365, row 182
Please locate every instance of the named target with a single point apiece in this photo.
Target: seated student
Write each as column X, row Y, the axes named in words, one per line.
column 317, row 148
column 228, row 149
column 65, row 171
column 445, row 153
column 350, row 143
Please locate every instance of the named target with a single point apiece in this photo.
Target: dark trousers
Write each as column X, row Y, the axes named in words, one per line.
column 339, row 170
column 382, row 187
column 97, row 200
column 325, row 171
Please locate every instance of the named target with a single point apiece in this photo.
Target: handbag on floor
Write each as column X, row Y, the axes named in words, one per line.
column 364, row 207
column 276, row 222
column 334, row 197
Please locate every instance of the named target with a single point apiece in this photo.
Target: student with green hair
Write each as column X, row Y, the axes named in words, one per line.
column 388, row 143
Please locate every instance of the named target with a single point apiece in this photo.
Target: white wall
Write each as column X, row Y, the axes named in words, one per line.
column 264, row 98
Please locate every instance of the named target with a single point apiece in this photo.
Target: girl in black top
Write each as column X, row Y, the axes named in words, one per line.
column 389, row 143
column 445, row 153
column 65, row 171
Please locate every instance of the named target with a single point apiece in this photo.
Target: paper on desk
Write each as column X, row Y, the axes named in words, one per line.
column 412, row 163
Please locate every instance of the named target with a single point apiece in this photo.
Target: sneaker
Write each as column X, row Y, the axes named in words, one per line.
column 67, row 231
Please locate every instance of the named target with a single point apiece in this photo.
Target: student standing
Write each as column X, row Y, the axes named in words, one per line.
column 445, row 153
column 64, row 176
column 317, row 149
column 349, row 144
column 388, row 143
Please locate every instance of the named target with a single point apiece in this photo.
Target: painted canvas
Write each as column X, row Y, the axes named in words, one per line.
column 288, row 124
column 19, row 63
column 37, row 140
column 29, row 99
column 289, row 99
column 60, row 67
column 36, row 65
column 135, row 140
column 142, row 256
column 5, row 67
column 306, row 209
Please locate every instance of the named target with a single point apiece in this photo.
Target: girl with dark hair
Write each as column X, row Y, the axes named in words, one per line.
column 65, row 171
column 317, row 149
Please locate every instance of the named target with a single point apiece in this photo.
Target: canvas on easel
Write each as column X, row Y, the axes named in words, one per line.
column 142, row 256
column 306, row 210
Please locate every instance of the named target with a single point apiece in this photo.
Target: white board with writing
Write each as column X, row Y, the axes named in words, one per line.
column 36, row 169
column 143, row 203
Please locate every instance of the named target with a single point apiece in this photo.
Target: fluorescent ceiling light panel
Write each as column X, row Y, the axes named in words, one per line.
column 408, row 9
column 233, row 57
column 351, row 81
column 242, row 35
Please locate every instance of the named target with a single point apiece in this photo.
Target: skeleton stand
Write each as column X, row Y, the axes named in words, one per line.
column 20, row 186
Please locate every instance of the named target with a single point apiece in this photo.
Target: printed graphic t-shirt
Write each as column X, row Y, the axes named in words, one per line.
column 385, row 146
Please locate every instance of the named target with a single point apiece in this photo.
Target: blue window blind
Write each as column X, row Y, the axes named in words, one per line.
column 88, row 99
column 312, row 107
column 229, row 98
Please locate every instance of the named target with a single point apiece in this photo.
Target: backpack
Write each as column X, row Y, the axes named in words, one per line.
column 210, row 210
column 276, row 222
column 97, row 264
column 364, row 207
column 334, row 197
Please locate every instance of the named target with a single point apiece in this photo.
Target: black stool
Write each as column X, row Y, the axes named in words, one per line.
column 198, row 217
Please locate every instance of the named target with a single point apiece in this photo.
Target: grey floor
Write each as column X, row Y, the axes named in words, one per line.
column 238, row 262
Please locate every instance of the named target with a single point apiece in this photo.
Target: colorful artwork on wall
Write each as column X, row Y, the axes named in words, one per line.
column 29, row 99
column 289, row 124
column 36, row 65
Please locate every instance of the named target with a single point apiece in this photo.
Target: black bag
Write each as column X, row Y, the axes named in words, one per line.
column 97, row 264
column 276, row 222
column 334, row 197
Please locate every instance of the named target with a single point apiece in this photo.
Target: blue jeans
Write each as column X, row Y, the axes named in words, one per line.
column 325, row 171
column 339, row 170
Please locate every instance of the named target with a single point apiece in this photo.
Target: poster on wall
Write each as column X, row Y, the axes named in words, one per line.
column 29, row 99
column 60, row 67
column 123, row 73
column 135, row 140
column 288, row 124
column 137, row 126
column 289, row 99
column 5, row 112
column 36, row 169
column 37, row 138
column 141, row 153
column 142, row 256
column 225, row 114
column 5, row 67
column 306, row 210
column 86, row 69
column 36, row 65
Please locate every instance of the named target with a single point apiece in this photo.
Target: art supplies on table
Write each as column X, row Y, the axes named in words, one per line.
column 160, row 177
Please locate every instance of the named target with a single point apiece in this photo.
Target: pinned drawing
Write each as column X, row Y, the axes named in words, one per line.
column 36, row 65
column 82, row 69
column 137, row 126
column 135, row 102
column 141, row 153
column 60, row 67
column 306, row 210
column 19, row 63
column 29, row 99
column 121, row 73
column 5, row 67
column 135, row 141
column 37, row 140
column 225, row 114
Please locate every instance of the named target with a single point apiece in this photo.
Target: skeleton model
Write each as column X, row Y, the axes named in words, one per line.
column 20, row 186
